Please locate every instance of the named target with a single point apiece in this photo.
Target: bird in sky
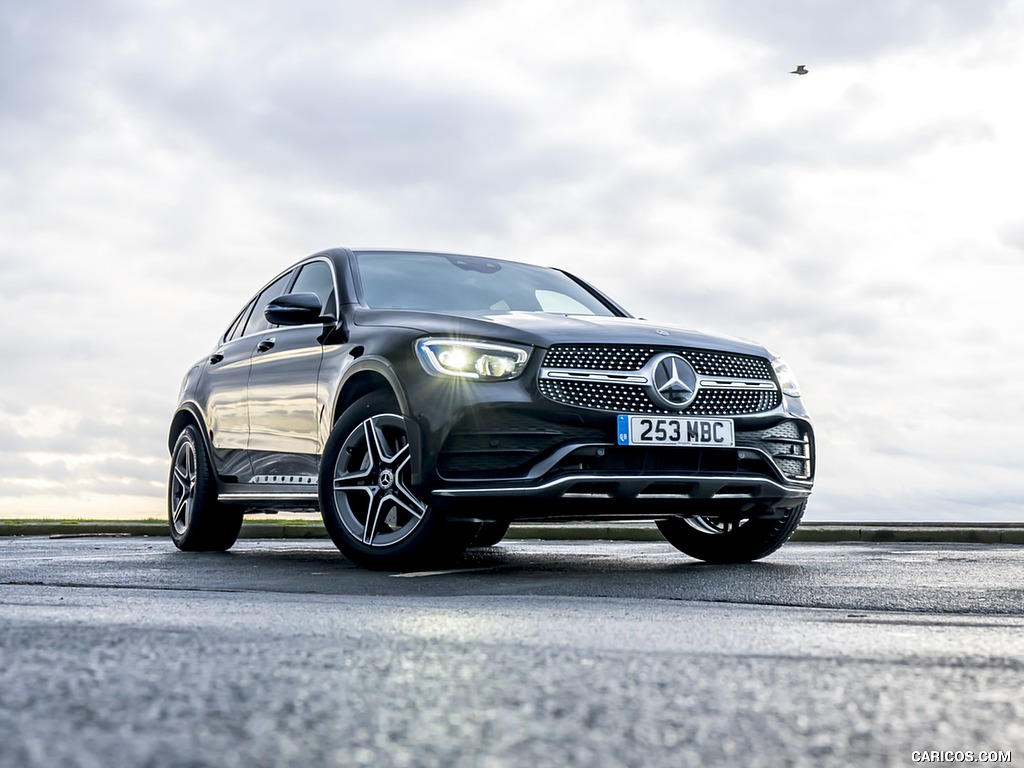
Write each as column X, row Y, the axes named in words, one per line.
column 800, row 70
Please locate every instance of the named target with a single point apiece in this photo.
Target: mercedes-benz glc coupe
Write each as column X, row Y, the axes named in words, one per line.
column 424, row 401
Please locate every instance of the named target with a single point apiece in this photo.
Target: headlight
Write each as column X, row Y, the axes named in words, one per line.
column 787, row 379
column 472, row 359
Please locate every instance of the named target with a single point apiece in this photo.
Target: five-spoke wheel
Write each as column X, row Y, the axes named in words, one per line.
column 369, row 483
column 198, row 522
column 369, row 508
column 182, row 489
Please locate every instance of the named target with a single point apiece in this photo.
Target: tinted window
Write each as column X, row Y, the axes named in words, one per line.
column 448, row 283
column 317, row 277
column 257, row 322
column 239, row 323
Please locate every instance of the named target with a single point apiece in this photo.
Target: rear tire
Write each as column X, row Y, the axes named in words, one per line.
column 198, row 522
column 368, row 507
column 717, row 540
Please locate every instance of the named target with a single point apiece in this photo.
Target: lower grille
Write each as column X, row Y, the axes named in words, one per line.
column 504, row 443
column 788, row 445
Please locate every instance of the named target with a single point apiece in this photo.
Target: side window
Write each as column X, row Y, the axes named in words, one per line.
column 317, row 277
column 239, row 323
column 257, row 322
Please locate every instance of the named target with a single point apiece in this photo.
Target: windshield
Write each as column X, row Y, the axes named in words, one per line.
column 446, row 283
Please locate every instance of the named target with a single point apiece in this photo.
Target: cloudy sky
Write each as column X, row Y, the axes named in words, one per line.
column 160, row 161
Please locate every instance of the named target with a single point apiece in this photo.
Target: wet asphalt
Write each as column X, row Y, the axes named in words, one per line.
column 123, row 651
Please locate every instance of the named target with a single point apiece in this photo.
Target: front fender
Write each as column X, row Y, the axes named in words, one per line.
column 372, row 373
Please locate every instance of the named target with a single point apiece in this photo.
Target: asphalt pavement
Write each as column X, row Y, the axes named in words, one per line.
column 123, row 651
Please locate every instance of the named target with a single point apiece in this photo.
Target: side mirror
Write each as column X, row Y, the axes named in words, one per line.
column 294, row 309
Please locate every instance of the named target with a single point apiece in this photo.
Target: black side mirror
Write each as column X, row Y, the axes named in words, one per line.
column 294, row 309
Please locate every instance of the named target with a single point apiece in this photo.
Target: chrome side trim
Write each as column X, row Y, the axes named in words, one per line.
column 267, row 497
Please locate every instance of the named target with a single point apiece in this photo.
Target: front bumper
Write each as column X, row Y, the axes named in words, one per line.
column 504, row 451
column 588, row 496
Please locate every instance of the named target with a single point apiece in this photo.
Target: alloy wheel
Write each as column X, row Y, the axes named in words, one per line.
column 183, row 487
column 713, row 525
column 370, row 483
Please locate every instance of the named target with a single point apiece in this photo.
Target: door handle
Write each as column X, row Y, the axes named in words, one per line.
column 266, row 344
column 216, row 358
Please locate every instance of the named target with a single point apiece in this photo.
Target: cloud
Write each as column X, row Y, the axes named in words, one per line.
column 833, row 30
column 158, row 164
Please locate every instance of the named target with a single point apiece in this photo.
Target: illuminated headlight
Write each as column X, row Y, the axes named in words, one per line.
column 472, row 359
column 787, row 379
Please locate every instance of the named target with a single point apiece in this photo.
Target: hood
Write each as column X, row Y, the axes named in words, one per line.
column 542, row 329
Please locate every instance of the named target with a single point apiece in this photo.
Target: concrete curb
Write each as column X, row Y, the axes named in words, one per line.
column 977, row 533
column 1000, row 533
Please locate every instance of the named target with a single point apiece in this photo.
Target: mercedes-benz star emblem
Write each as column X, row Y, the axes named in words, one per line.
column 675, row 382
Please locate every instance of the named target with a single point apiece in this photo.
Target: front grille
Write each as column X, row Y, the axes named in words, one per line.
column 622, row 398
column 617, row 358
column 594, row 358
column 721, row 364
column 711, row 400
column 718, row 402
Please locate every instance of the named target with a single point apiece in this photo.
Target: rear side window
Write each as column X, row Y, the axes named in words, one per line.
column 235, row 330
column 257, row 322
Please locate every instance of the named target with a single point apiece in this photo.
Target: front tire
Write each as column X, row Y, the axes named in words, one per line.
column 198, row 522
column 718, row 540
column 368, row 507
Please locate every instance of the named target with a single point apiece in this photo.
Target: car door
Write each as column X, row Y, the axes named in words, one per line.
column 222, row 389
column 284, row 437
column 225, row 386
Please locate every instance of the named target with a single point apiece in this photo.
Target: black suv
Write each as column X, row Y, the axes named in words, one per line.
column 423, row 401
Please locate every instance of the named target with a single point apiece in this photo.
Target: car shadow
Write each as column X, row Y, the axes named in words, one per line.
column 584, row 569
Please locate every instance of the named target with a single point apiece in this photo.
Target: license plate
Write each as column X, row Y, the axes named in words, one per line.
column 675, row 430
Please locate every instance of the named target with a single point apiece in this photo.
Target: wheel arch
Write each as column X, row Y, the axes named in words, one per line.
column 370, row 375
column 187, row 413
column 364, row 377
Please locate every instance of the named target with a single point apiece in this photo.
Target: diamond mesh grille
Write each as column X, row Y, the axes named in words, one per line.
column 613, row 358
column 623, row 398
column 721, row 364
column 594, row 358
column 607, row 396
column 723, row 402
